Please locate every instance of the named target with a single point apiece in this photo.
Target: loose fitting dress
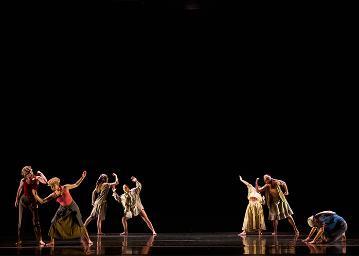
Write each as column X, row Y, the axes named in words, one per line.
column 254, row 217
column 278, row 206
column 130, row 201
column 67, row 222
column 100, row 204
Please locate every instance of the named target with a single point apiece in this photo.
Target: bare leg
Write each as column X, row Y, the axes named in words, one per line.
column 86, row 238
column 99, row 225
column 125, row 226
column 88, row 220
column 148, row 222
column 291, row 221
column 275, row 226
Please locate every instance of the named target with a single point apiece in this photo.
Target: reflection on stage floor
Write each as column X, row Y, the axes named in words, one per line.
column 181, row 243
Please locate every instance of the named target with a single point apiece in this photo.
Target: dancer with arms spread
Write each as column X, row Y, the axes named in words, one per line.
column 67, row 222
column 132, row 205
column 254, row 217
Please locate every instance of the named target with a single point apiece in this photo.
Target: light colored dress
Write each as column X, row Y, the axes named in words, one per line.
column 100, row 204
column 279, row 207
column 254, row 217
column 130, row 201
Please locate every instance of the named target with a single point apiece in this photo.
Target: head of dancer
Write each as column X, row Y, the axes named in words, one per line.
column 54, row 183
column 267, row 179
column 125, row 188
column 27, row 172
column 102, row 179
column 311, row 221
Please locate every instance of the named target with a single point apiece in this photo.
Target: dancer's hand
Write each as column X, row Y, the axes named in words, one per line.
column 240, row 178
column 16, row 203
column 133, row 179
column 286, row 193
column 114, row 174
column 38, row 172
column 84, row 173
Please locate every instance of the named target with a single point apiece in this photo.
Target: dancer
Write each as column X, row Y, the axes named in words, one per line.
column 67, row 222
column 278, row 206
column 100, row 203
column 29, row 182
column 330, row 228
column 254, row 217
column 132, row 205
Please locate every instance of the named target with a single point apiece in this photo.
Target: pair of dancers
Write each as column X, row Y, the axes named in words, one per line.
column 67, row 222
column 130, row 201
column 276, row 201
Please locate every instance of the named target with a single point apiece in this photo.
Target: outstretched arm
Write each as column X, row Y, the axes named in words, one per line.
column 39, row 199
column 243, row 181
column 114, row 183
column 19, row 190
column 41, row 177
column 77, row 183
column 260, row 189
column 138, row 184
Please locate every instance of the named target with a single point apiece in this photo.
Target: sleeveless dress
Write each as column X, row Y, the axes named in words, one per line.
column 100, row 205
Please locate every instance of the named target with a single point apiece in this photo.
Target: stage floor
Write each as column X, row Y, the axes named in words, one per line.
column 178, row 243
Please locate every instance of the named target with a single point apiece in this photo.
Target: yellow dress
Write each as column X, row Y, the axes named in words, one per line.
column 254, row 217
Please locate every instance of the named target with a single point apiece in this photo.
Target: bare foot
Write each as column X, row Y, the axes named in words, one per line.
column 154, row 233
column 243, row 233
column 124, row 234
column 51, row 244
column 260, row 232
column 89, row 242
column 344, row 238
column 18, row 243
column 100, row 233
column 41, row 243
column 274, row 234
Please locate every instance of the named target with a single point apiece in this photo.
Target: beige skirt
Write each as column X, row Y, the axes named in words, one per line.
column 254, row 218
column 279, row 211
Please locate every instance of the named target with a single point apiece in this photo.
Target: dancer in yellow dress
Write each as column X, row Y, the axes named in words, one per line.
column 254, row 217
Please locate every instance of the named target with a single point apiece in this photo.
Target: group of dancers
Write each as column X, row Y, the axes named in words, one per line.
column 330, row 227
column 67, row 222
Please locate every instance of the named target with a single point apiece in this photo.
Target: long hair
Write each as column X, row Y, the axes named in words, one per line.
column 102, row 179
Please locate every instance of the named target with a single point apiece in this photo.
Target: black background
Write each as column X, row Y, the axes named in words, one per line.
column 186, row 102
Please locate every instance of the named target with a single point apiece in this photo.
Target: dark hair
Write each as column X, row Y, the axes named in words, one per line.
column 102, row 179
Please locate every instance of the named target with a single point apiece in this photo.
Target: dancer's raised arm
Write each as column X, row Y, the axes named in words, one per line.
column 77, row 183
column 41, row 177
column 243, row 181
column 113, row 183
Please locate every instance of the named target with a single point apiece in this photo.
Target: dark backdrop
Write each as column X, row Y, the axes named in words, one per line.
column 183, row 127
